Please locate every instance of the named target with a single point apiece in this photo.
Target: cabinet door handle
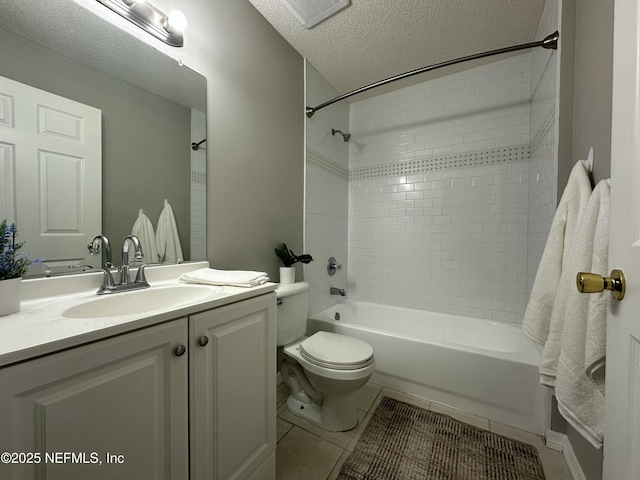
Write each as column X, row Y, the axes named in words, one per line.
column 180, row 350
column 203, row 340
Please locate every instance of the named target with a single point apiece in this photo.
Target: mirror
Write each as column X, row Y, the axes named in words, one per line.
column 152, row 110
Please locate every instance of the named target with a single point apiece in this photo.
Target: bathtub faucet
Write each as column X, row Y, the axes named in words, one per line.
column 337, row 291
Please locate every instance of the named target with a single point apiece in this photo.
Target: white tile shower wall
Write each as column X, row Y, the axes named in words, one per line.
column 543, row 164
column 198, row 187
column 439, row 178
column 326, row 228
column 481, row 108
column 451, row 240
column 327, row 192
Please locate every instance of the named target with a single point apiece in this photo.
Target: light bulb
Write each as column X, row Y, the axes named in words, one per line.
column 175, row 22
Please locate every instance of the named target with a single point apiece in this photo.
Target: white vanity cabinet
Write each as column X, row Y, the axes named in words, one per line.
column 191, row 398
column 232, row 391
column 117, row 408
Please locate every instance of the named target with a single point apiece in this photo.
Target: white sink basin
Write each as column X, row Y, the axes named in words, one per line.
column 141, row 301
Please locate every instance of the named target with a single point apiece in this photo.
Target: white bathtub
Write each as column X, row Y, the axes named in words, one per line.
column 479, row 366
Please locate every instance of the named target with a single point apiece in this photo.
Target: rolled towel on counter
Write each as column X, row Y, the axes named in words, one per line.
column 235, row 278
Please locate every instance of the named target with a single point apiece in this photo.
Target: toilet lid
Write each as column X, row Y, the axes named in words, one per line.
column 332, row 350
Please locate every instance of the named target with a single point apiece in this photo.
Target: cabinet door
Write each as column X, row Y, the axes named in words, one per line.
column 232, row 389
column 114, row 409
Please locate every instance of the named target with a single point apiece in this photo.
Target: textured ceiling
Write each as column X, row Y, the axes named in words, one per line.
column 375, row 39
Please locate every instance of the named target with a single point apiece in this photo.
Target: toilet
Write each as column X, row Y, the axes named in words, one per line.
column 323, row 371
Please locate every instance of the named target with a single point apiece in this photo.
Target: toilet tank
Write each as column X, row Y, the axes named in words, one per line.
column 291, row 312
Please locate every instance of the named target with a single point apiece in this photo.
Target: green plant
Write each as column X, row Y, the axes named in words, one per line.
column 12, row 263
column 289, row 258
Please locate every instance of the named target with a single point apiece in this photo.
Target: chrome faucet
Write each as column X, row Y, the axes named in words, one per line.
column 337, row 291
column 125, row 284
column 125, row 279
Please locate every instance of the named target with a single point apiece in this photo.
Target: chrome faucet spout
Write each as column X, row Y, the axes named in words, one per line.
column 125, row 249
column 124, row 269
column 337, row 291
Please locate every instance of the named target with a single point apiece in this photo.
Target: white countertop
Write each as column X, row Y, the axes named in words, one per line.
column 39, row 327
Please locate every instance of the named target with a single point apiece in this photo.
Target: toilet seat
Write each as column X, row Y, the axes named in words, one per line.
column 335, row 351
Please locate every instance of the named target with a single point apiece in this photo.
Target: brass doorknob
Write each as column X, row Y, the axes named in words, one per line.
column 593, row 283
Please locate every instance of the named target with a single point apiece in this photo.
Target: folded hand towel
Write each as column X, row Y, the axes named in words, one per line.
column 143, row 229
column 581, row 401
column 236, row 278
column 167, row 239
column 537, row 316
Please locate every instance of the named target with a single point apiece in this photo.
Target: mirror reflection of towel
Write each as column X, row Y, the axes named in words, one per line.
column 167, row 239
column 143, row 229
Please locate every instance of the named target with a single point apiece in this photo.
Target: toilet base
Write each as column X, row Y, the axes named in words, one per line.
column 336, row 414
column 311, row 412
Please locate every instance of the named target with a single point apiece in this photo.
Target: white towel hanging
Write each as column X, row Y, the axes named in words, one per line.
column 580, row 400
column 167, row 238
column 537, row 317
column 143, row 229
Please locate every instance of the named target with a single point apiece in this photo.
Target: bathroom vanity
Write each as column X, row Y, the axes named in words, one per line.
column 178, row 392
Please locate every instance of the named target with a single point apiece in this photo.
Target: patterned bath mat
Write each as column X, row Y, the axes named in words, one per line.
column 402, row 442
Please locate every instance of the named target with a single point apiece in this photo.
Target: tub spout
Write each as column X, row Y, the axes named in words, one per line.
column 337, row 291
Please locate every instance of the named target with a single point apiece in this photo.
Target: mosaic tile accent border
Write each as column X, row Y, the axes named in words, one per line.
column 323, row 163
column 198, row 177
column 515, row 153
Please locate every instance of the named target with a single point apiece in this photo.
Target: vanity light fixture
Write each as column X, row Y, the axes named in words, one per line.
column 167, row 28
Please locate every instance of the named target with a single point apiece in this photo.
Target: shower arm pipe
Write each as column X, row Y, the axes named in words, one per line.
column 549, row 42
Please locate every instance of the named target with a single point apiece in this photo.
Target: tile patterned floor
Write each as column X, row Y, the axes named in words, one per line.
column 310, row 453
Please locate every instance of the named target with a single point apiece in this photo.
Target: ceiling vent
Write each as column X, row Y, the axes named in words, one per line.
column 312, row 12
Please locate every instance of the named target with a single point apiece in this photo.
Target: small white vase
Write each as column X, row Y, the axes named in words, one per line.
column 287, row 275
column 10, row 296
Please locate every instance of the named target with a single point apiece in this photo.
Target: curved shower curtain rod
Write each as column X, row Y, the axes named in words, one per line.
column 549, row 42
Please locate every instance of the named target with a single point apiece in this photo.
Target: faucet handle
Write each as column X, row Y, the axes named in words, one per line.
column 108, row 284
column 140, row 276
column 332, row 266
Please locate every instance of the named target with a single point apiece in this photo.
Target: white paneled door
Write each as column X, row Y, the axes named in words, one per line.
column 50, row 173
column 622, row 410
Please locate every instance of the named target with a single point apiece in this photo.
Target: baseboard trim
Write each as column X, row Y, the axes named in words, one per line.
column 555, row 441
column 561, row 443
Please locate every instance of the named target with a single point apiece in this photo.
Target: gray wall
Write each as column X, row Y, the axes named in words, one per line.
column 146, row 138
column 586, row 86
column 255, row 142
column 593, row 83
